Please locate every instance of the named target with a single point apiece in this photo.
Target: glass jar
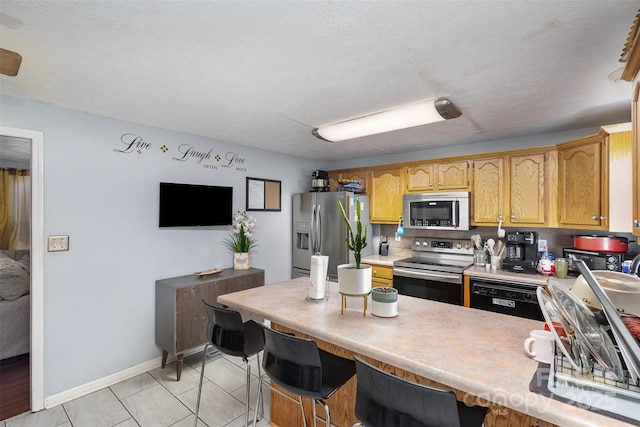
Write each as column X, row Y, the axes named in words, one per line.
column 479, row 257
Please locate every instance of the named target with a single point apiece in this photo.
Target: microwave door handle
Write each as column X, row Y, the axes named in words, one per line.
column 456, row 213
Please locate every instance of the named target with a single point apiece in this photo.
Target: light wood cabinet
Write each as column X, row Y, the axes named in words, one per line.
column 450, row 176
column 631, row 73
column 583, row 183
column 381, row 275
column 488, row 191
column 527, row 190
column 420, row 178
column 386, row 189
column 360, row 174
column 512, row 188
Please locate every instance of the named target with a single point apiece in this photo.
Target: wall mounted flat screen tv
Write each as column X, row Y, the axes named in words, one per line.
column 190, row 205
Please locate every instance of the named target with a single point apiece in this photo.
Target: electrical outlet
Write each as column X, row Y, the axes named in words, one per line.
column 541, row 244
column 58, row 243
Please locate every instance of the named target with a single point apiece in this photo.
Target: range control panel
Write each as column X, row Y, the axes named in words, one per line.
column 452, row 246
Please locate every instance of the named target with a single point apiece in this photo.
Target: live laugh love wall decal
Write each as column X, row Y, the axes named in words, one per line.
column 134, row 144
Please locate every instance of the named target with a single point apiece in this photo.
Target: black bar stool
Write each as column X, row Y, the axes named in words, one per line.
column 386, row 400
column 227, row 333
column 298, row 366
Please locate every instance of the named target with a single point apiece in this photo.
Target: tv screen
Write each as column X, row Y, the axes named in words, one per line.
column 189, row 205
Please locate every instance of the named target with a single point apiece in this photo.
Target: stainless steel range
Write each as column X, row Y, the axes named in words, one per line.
column 435, row 269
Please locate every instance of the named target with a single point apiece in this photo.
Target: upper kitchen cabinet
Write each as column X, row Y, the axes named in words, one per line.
column 527, row 190
column 359, row 174
column 488, row 191
column 386, row 188
column 511, row 188
column 448, row 176
column 631, row 73
column 583, row 183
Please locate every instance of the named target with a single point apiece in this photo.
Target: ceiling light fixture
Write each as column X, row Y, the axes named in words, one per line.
column 409, row 116
column 9, row 62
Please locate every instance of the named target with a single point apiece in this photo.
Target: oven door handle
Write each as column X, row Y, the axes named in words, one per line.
column 436, row 276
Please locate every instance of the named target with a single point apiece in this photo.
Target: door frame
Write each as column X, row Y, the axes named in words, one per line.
column 37, row 261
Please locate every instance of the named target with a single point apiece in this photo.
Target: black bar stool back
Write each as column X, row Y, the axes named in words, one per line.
column 298, row 366
column 228, row 334
column 386, row 400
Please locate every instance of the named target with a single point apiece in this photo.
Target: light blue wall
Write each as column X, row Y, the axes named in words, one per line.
column 99, row 296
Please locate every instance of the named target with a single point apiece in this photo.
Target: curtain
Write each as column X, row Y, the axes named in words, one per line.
column 15, row 209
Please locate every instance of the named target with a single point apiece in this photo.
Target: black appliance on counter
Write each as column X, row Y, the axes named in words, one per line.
column 521, row 252
column 611, row 261
column 506, row 297
column 434, row 271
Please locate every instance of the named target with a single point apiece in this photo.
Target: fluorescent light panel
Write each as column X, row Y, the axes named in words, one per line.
column 420, row 114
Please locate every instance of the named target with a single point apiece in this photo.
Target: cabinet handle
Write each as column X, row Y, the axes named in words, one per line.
column 636, row 223
column 602, row 218
column 595, row 217
column 440, row 184
column 513, row 217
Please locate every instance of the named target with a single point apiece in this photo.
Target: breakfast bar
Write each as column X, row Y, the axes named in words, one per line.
column 479, row 354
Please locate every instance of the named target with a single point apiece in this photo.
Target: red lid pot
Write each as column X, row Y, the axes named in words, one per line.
column 601, row 243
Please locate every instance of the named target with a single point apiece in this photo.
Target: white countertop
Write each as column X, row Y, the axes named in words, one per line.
column 475, row 351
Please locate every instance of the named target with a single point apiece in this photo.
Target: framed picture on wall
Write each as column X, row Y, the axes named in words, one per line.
column 263, row 194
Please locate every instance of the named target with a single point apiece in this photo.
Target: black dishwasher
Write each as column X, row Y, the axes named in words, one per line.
column 501, row 296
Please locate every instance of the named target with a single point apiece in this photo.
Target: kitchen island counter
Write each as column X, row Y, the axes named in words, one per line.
column 476, row 352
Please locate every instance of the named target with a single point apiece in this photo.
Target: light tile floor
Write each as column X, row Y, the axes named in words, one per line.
column 156, row 399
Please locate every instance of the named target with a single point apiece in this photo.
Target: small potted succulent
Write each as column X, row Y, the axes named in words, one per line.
column 355, row 279
column 384, row 301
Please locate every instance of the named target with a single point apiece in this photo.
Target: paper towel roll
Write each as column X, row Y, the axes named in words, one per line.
column 319, row 265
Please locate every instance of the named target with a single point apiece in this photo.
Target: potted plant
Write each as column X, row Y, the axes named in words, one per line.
column 384, row 301
column 355, row 279
column 241, row 241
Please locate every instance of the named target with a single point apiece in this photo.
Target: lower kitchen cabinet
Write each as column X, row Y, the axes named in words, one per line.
column 181, row 319
column 381, row 275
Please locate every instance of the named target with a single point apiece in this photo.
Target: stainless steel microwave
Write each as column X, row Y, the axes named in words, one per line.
column 436, row 211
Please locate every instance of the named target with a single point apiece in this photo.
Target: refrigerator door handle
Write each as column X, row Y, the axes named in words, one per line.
column 312, row 232
column 319, row 231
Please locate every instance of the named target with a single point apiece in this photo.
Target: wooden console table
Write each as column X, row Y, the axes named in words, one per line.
column 181, row 319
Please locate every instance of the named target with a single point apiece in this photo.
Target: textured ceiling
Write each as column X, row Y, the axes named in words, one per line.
column 265, row 73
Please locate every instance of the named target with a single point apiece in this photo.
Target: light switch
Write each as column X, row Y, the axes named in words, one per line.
column 58, row 243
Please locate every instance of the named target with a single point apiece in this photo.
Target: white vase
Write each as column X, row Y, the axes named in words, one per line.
column 354, row 281
column 241, row 260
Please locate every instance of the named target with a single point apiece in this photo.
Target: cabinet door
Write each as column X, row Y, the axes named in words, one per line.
column 488, row 191
column 527, row 189
column 386, row 187
column 580, row 184
column 381, row 275
column 420, row 178
column 453, row 176
column 190, row 318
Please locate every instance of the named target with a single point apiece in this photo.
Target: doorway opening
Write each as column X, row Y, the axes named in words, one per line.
column 22, row 254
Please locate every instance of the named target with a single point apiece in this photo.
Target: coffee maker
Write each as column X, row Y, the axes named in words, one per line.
column 522, row 252
column 320, row 181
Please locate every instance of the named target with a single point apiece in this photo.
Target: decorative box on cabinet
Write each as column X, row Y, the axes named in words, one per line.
column 181, row 319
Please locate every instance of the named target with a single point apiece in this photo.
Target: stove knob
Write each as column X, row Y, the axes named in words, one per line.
column 467, row 246
column 417, row 242
column 458, row 245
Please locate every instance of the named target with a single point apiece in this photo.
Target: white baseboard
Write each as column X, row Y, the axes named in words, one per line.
column 99, row 384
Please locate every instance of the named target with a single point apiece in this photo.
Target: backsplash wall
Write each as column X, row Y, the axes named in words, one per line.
column 557, row 239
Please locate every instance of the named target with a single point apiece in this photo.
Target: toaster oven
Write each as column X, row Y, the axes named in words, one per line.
column 610, row 261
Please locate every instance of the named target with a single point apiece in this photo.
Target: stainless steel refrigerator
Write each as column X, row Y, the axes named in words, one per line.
column 318, row 227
